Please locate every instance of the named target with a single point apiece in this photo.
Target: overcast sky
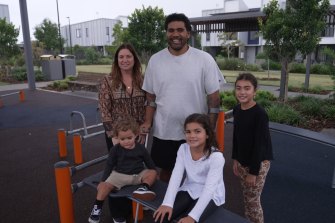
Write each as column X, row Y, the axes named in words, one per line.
column 84, row 10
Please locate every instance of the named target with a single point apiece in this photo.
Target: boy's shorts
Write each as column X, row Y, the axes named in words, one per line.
column 164, row 152
column 120, row 180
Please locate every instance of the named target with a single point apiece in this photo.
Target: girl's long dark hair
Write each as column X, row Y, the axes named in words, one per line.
column 204, row 121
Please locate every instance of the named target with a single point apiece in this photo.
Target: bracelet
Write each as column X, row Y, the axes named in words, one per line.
column 214, row 110
column 151, row 104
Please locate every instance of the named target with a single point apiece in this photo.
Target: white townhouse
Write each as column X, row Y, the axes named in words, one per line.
column 97, row 32
column 4, row 12
column 236, row 16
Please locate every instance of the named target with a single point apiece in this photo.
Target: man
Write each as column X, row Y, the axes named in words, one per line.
column 179, row 80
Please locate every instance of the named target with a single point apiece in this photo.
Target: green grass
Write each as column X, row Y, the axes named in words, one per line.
column 295, row 79
column 94, row 68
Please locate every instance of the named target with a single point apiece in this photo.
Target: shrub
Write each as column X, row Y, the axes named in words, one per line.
column 261, row 94
column 284, row 114
column 272, row 65
column 265, row 103
column 38, row 75
column 60, row 85
column 328, row 111
column 297, row 68
column 227, row 100
column 309, row 106
column 19, row 73
column 231, row 64
column 320, row 69
column 252, row 67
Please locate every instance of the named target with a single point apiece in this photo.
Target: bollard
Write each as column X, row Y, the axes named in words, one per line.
column 220, row 131
column 62, row 143
column 137, row 211
column 78, row 152
column 64, row 192
column 21, row 96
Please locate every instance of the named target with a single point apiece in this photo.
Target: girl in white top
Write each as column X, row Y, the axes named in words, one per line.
column 202, row 190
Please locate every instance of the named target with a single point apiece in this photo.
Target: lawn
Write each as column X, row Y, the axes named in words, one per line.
column 295, row 80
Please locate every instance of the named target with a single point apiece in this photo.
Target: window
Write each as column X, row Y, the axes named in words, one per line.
column 208, row 36
column 107, row 35
column 78, row 33
column 86, row 31
column 253, row 37
column 329, row 29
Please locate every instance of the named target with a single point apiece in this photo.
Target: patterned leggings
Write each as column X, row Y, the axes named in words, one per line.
column 252, row 194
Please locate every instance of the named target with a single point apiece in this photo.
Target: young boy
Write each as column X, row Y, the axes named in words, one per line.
column 125, row 166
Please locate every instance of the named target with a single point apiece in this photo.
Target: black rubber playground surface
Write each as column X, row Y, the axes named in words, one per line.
column 298, row 188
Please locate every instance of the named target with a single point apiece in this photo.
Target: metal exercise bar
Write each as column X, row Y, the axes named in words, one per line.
column 83, row 119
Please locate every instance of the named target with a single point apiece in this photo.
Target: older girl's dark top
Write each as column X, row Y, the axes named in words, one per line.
column 251, row 137
column 127, row 161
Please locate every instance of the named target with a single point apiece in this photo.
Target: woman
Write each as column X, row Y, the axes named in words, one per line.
column 120, row 93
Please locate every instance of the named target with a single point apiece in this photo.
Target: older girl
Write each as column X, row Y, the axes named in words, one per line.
column 252, row 148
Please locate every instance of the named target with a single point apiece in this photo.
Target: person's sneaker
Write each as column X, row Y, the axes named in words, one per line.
column 95, row 215
column 143, row 193
column 119, row 220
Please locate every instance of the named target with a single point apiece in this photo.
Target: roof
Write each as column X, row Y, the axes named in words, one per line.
column 228, row 22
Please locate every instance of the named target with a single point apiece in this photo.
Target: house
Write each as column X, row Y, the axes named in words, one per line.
column 4, row 12
column 97, row 32
column 236, row 17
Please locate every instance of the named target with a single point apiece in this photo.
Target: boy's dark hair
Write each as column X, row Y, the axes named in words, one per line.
column 178, row 17
column 204, row 121
column 126, row 123
column 248, row 77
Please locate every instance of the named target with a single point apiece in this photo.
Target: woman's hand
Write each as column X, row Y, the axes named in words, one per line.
column 145, row 128
column 235, row 168
column 141, row 138
column 187, row 219
column 161, row 212
column 250, row 180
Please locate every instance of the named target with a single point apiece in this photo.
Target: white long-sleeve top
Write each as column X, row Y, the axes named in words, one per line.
column 204, row 180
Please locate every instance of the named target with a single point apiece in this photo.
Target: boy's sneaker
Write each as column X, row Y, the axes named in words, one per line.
column 119, row 220
column 95, row 215
column 143, row 193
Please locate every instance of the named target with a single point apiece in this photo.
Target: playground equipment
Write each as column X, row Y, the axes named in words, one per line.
column 65, row 190
column 77, row 137
column 220, row 128
column 20, row 93
column 64, row 173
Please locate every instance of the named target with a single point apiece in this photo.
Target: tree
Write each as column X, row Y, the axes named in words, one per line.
column 229, row 42
column 286, row 32
column 146, row 31
column 311, row 20
column 8, row 46
column 38, row 50
column 47, row 33
column 120, row 36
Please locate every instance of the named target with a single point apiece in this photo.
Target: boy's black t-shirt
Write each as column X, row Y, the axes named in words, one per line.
column 128, row 161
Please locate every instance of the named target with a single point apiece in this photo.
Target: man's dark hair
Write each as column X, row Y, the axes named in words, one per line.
column 178, row 17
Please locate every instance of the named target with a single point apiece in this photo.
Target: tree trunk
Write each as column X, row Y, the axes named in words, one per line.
column 283, row 80
column 308, row 69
